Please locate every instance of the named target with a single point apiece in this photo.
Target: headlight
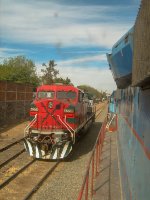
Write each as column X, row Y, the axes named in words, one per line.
column 33, row 109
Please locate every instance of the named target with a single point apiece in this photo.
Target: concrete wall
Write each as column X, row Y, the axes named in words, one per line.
column 141, row 56
column 15, row 101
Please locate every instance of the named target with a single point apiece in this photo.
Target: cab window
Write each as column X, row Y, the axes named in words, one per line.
column 66, row 95
column 46, row 94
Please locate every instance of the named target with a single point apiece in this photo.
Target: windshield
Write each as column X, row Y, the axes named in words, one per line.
column 46, row 94
column 66, row 95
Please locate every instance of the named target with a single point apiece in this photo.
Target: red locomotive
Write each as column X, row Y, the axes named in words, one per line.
column 58, row 114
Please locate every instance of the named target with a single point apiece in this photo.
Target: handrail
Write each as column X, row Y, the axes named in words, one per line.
column 94, row 162
column 29, row 125
column 108, row 124
column 72, row 133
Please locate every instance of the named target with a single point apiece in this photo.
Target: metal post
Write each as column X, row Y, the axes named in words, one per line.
column 87, row 189
column 96, row 159
column 92, row 179
column 116, row 122
column 103, row 133
column 98, row 154
column 95, row 162
column 100, row 144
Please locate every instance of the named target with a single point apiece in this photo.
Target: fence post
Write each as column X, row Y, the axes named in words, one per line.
column 96, row 159
column 92, row 179
column 95, row 162
column 87, row 185
column 100, row 144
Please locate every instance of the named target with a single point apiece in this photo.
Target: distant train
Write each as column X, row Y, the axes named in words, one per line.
column 58, row 115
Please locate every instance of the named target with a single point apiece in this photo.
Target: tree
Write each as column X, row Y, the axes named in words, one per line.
column 50, row 73
column 66, row 81
column 20, row 70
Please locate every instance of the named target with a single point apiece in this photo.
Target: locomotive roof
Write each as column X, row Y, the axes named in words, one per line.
column 121, row 41
column 57, row 87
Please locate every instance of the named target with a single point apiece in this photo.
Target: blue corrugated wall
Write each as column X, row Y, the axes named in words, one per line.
column 134, row 142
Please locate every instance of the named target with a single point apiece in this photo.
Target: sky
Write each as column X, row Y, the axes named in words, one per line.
column 77, row 34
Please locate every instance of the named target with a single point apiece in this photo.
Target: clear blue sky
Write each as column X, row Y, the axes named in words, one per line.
column 75, row 33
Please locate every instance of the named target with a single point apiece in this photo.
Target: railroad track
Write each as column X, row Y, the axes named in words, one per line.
column 99, row 110
column 10, row 145
column 14, row 176
column 8, row 180
column 21, row 139
column 22, row 169
column 36, row 186
column 12, row 158
column 15, row 155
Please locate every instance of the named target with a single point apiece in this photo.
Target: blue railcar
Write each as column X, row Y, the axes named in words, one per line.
column 112, row 105
column 120, row 60
column 133, row 106
column 133, row 113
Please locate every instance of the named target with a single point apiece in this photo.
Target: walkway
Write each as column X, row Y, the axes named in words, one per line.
column 107, row 186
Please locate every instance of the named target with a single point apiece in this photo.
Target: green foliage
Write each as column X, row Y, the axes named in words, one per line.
column 50, row 75
column 19, row 69
column 93, row 93
column 66, row 81
column 22, row 70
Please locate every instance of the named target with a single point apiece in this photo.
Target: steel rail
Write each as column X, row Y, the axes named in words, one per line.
column 12, row 158
column 101, row 109
column 10, row 145
column 98, row 113
column 38, row 185
column 8, row 180
column 17, row 141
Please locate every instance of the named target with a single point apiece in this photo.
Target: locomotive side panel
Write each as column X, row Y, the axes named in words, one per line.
column 134, row 142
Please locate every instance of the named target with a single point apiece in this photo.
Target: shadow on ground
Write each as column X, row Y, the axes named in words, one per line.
column 86, row 143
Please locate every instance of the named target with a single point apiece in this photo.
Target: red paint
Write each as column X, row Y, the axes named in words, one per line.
column 94, row 162
column 48, row 116
column 92, row 179
column 87, row 187
column 114, row 125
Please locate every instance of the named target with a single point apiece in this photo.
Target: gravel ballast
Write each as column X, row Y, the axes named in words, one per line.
column 65, row 183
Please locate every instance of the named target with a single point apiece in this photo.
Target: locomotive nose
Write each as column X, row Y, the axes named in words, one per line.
column 49, row 110
column 53, row 153
column 53, row 105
